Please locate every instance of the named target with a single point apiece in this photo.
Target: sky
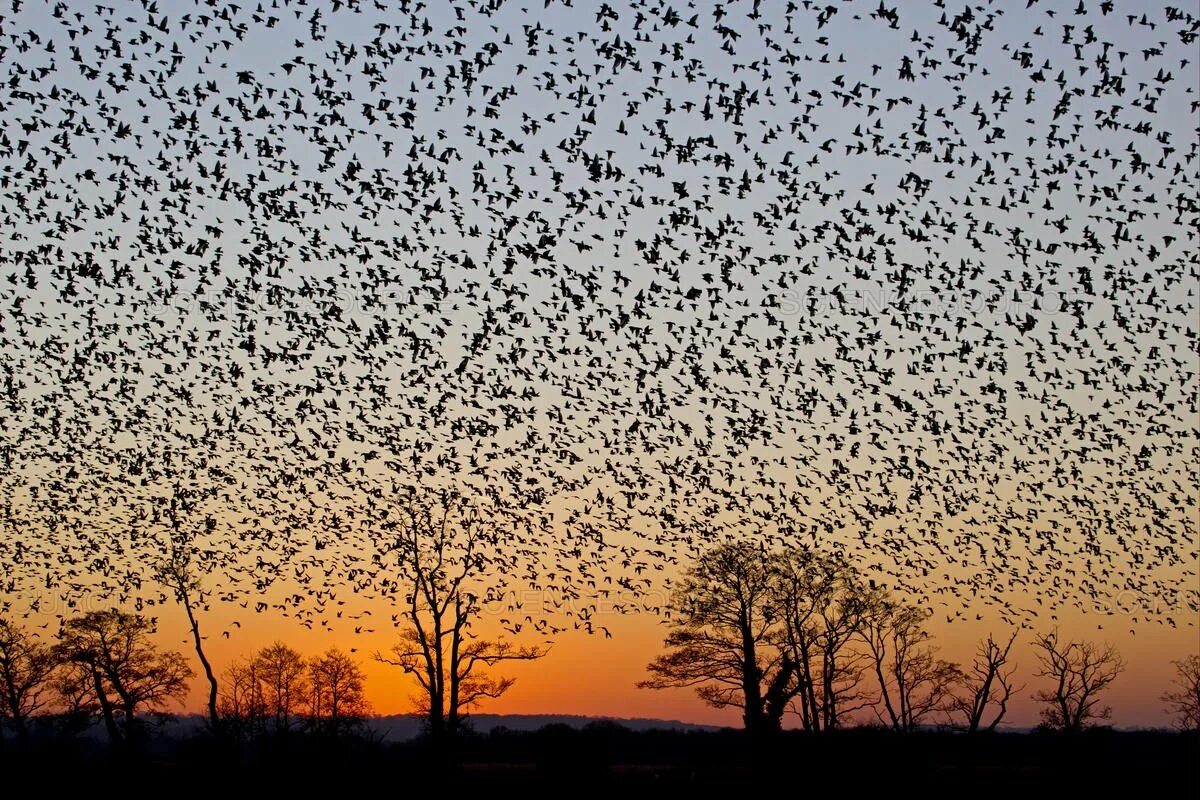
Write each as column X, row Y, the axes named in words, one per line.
column 642, row 280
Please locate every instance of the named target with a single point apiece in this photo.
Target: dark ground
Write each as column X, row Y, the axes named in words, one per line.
column 602, row 759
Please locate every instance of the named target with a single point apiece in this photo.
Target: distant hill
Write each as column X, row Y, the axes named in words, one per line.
column 400, row 727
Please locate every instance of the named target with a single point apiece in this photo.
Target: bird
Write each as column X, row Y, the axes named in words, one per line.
column 609, row 285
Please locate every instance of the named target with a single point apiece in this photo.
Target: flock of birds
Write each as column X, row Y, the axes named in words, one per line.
column 918, row 283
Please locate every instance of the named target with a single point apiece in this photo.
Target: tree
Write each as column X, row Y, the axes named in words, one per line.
column 241, row 705
column 443, row 549
column 176, row 572
column 1184, row 700
column 724, row 638
column 914, row 684
column 820, row 597
column 988, row 682
column 1079, row 673
column 282, row 680
column 336, row 699
column 118, row 666
column 26, row 668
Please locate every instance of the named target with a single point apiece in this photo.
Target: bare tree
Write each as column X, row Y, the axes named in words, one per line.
column 241, row 705
column 988, row 682
column 1183, row 700
column 26, row 668
column 914, row 684
column 122, row 670
column 282, row 677
column 725, row 639
column 821, row 600
column 176, row 571
column 444, row 548
column 336, row 699
column 1079, row 673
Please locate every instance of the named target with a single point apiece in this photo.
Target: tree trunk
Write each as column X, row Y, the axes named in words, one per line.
column 885, row 694
column 106, row 711
column 808, row 694
column 752, row 712
column 214, row 719
column 455, row 647
column 808, row 714
column 981, row 701
column 14, row 712
column 778, row 695
column 828, row 696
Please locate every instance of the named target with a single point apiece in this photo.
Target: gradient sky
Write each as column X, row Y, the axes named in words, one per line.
column 531, row 328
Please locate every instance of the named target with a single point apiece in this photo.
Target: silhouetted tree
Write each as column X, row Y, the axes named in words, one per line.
column 725, row 637
column 26, row 668
column 241, row 704
column 176, row 571
column 336, row 701
column 988, row 682
column 122, row 670
column 821, row 599
column 914, row 684
column 1184, row 699
column 282, row 677
column 444, row 548
column 1079, row 673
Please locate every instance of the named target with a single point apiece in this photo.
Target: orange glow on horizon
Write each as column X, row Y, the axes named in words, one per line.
column 591, row 675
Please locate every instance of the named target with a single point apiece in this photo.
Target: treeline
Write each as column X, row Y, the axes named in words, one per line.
column 773, row 633
column 801, row 631
column 277, row 690
column 104, row 667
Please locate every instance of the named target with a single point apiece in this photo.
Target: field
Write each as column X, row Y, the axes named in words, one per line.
column 602, row 758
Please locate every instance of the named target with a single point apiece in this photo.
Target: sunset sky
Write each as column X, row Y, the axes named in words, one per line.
column 924, row 294
column 594, row 676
